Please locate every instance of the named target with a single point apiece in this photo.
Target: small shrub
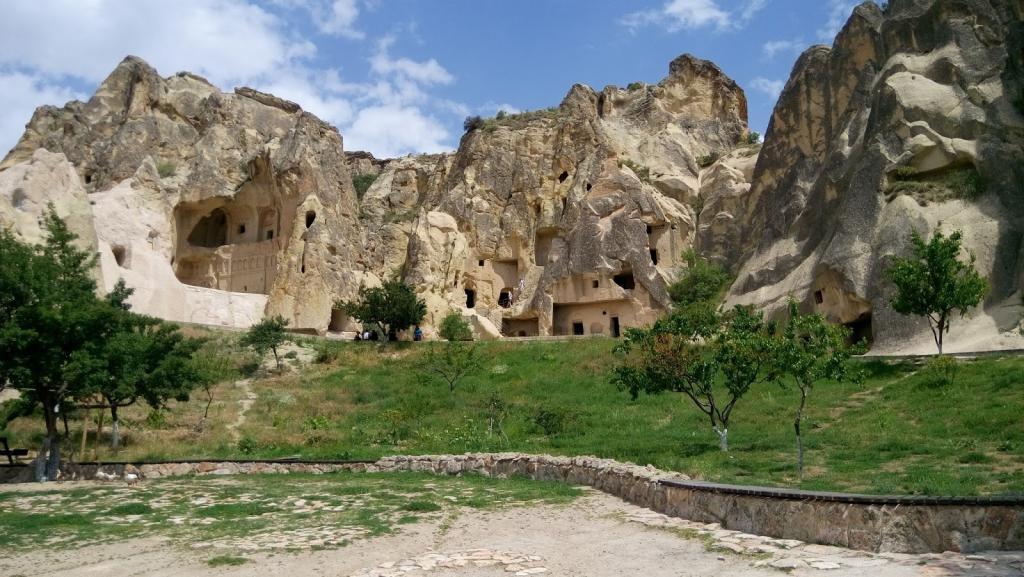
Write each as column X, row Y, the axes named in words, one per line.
column 642, row 172
column 555, row 420
column 455, row 328
column 634, row 86
column 941, row 372
column 156, row 419
column 134, row 508
column 472, row 123
column 750, row 138
column 166, row 169
column 501, row 115
column 291, row 355
column 362, row 183
column 247, row 445
column 707, row 159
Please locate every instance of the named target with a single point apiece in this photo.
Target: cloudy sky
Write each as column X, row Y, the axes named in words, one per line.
column 399, row 76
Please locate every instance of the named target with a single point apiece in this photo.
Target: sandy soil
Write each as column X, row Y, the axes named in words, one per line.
column 592, row 537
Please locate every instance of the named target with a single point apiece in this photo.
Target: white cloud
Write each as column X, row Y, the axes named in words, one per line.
column 775, row 47
column 228, row 41
column 20, row 96
column 770, row 87
column 839, row 12
column 677, row 15
column 390, row 131
column 426, row 72
column 334, row 17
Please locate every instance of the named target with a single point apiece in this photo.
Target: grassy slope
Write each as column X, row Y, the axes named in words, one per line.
column 891, row 434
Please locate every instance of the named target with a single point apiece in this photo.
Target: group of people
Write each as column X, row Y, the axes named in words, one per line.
column 367, row 335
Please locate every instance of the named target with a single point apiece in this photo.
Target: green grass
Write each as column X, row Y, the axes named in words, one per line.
column 229, row 513
column 227, row 561
column 896, row 432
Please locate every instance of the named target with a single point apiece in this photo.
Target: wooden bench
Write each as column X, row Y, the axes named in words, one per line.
column 11, row 453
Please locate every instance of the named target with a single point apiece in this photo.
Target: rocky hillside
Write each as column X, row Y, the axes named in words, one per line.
column 219, row 207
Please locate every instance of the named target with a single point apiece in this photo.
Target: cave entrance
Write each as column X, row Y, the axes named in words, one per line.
column 520, row 327
column 338, row 321
column 616, row 329
column 625, row 280
column 470, row 298
column 542, row 245
column 505, row 298
column 211, row 231
column 577, row 328
column 861, row 329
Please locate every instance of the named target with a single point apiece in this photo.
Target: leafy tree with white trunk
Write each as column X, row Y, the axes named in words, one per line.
column 267, row 335
column 934, row 282
column 712, row 359
column 810, row 351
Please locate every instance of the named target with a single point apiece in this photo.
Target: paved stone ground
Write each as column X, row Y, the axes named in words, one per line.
column 595, row 536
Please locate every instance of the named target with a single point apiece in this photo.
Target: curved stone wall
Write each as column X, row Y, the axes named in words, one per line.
column 864, row 522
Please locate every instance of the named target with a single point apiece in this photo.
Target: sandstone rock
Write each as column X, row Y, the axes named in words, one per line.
column 922, row 86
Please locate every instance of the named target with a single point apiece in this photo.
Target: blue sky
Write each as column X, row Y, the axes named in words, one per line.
column 399, row 76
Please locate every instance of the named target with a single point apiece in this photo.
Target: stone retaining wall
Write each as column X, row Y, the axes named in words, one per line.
column 881, row 524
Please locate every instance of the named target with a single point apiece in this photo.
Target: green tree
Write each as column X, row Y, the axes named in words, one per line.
column 392, row 306
column 210, row 368
column 934, row 282
column 132, row 357
column 48, row 311
column 711, row 359
column 455, row 328
column 700, row 282
column 810, row 351
column 267, row 335
column 451, row 362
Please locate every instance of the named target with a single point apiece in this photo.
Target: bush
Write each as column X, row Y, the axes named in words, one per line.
column 555, row 420
column 472, row 123
column 634, row 86
column 501, row 115
column 362, row 183
column 248, row 445
column 751, row 138
column 642, row 172
column 707, row 159
column 165, row 169
column 455, row 328
column 326, row 352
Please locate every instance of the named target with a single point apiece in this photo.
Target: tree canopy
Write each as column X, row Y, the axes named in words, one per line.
column 267, row 335
column 392, row 306
column 62, row 346
column 455, row 328
column 934, row 282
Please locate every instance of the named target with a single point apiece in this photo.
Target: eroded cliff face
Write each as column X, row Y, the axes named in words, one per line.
column 911, row 120
column 216, row 208
column 564, row 221
column 220, row 208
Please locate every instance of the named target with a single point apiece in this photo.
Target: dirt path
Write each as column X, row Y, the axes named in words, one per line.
column 244, row 404
column 596, row 536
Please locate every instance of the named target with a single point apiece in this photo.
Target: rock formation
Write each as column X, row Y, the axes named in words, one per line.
column 216, row 208
column 219, row 208
column 911, row 119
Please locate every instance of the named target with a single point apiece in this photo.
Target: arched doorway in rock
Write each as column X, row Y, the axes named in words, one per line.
column 211, row 231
